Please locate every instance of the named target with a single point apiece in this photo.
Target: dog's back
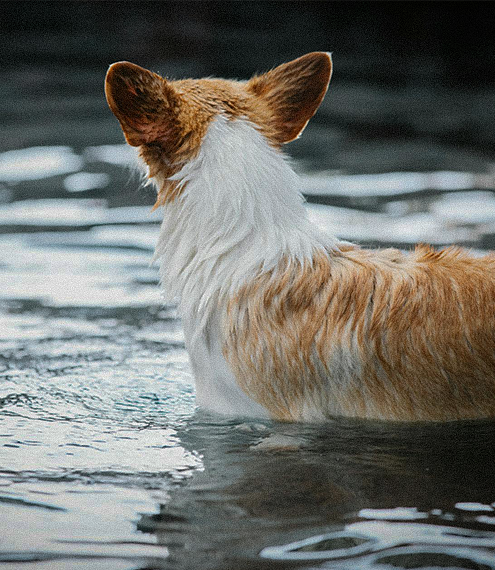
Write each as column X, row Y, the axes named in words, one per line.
column 377, row 334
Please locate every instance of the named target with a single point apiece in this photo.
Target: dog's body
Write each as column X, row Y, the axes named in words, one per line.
column 281, row 320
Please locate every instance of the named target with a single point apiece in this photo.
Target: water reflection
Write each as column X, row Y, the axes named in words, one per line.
column 37, row 162
column 337, row 496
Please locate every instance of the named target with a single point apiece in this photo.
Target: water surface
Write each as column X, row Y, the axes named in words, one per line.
column 104, row 458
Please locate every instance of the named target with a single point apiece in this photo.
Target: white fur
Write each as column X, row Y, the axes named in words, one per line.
column 240, row 213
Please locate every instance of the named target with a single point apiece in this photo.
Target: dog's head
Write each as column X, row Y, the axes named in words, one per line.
column 169, row 119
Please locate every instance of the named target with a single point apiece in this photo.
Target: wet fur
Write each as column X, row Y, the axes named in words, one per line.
column 280, row 319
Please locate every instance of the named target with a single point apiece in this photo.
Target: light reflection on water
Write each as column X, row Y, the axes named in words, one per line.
column 37, row 162
column 103, row 454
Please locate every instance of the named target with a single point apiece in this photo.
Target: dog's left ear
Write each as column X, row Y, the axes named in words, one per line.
column 293, row 92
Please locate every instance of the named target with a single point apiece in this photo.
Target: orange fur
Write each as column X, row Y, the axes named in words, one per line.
column 168, row 119
column 417, row 331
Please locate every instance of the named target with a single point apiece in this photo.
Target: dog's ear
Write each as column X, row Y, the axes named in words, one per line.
column 293, row 92
column 144, row 103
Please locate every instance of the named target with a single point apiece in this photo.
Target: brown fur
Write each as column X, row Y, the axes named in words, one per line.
column 292, row 93
column 168, row 119
column 418, row 332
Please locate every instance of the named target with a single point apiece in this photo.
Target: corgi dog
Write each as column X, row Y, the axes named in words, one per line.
column 281, row 320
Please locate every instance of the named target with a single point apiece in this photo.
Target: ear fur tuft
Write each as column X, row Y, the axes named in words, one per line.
column 293, row 92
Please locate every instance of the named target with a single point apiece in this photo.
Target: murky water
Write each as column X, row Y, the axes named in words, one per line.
column 104, row 460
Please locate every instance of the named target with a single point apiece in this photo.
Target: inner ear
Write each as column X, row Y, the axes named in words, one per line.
column 143, row 102
column 293, row 92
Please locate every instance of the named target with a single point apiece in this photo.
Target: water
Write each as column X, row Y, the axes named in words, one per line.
column 104, row 460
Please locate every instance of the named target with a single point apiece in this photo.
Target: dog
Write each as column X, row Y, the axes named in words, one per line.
column 281, row 320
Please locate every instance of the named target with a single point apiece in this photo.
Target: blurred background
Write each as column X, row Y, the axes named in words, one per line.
column 413, row 86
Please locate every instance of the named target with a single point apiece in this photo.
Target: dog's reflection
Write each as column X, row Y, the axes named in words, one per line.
column 268, row 484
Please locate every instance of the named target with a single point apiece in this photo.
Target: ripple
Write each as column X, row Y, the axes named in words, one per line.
column 76, row 550
column 84, row 181
column 473, row 507
column 14, row 399
column 399, row 513
column 384, row 545
column 119, row 154
column 5, row 499
column 431, row 558
column 322, row 547
column 38, row 162
column 396, row 533
column 391, row 184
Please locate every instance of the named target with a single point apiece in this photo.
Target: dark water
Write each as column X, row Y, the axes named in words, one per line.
column 104, row 460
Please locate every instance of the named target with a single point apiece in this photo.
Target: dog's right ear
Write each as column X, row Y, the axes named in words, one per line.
column 144, row 103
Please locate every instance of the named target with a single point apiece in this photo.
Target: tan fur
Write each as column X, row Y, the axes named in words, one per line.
column 375, row 334
column 417, row 329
